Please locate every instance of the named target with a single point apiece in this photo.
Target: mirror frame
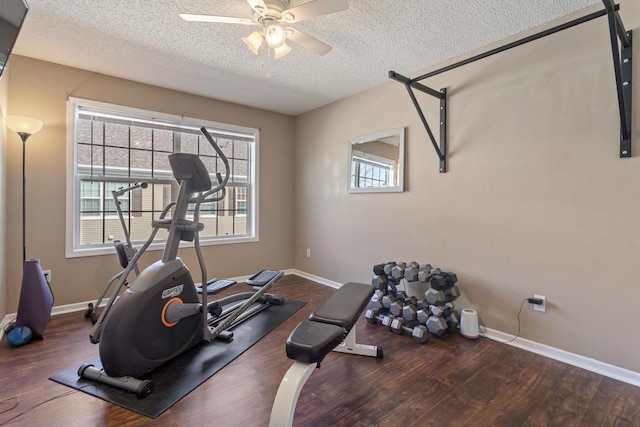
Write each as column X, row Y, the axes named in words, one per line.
column 399, row 187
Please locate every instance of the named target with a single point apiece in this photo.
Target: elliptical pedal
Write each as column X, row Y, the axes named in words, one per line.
column 216, row 285
column 263, row 277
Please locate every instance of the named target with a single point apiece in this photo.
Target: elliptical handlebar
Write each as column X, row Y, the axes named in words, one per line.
column 122, row 190
column 222, row 182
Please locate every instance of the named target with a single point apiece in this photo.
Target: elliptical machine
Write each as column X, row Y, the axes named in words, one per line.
column 160, row 315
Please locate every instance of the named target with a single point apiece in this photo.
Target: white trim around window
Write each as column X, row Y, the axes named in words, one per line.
column 72, row 246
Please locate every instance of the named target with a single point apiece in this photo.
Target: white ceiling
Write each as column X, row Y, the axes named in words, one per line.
column 146, row 41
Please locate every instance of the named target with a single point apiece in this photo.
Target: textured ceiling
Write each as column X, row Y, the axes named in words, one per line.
column 146, row 41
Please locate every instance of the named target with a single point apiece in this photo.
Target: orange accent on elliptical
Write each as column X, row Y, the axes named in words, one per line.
column 164, row 310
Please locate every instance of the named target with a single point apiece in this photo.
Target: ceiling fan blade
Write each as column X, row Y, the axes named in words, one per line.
column 219, row 19
column 313, row 9
column 258, row 5
column 307, row 41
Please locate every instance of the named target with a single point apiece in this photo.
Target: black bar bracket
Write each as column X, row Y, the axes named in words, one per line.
column 441, row 149
column 622, row 61
column 622, row 65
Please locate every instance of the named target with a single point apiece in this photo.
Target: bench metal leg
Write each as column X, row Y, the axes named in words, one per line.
column 284, row 406
column 350, row 346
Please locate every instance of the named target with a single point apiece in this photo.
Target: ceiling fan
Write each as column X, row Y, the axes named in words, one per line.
column 274, row 16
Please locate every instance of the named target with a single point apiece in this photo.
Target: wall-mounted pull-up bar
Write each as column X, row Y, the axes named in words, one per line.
column 622, row 61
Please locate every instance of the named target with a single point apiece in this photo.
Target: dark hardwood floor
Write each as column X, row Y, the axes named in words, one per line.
column 448, row 382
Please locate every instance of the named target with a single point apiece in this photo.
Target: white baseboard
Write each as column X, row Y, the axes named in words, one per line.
column 593, row 365
column 315, row 278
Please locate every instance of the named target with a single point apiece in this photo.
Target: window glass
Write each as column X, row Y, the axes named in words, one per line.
column 115, row 147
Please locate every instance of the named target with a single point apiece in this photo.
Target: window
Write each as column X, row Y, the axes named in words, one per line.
column 368, row 173
column 97, row 198
column 111, row 148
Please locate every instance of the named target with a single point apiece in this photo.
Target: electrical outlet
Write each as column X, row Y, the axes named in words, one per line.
column 47, row 275
column 540, row 307
column 308, row 253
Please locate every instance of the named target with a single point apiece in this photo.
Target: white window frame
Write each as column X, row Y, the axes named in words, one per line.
column 72, row 234
column 380, row 163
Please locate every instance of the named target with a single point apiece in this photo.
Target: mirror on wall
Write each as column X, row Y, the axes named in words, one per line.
column 377, row 162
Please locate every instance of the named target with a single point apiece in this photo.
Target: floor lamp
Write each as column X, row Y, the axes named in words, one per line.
column 36, row 299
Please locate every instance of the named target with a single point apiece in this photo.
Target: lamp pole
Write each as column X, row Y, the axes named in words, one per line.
column 24, row 136
column 24, row 127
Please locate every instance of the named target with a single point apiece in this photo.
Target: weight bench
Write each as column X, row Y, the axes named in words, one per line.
column 329, row 328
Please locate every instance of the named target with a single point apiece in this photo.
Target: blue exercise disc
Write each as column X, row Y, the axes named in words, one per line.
column 19, row 335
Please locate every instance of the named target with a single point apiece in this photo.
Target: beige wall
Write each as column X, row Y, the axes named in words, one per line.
column 536, row 199
column 40, row 89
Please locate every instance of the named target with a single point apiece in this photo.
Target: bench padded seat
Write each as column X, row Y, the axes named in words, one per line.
column 343, row 308
column 310, row 341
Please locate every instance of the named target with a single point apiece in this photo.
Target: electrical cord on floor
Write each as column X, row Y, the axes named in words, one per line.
column 36, row 406
column 17, row 402
column 484, row 333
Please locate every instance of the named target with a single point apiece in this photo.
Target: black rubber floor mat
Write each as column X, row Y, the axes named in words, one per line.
column 178, row 377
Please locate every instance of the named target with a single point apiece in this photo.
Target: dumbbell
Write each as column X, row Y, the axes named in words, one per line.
column 388, row 267
column 396, row 307
column 378, row 270
column 397, row 272
column 373, row 316
column 375, row 303
column 441, row 310
column 411, row 271
column 436, row 325
column 424, row 272
column 386, row 321
column 441, row 282
column 387, row 300
column 423, row 315
column 453, row 321
column 379, row 282
column 452, row 293
column 434, row 296
column 419, row 333
column 409, row 312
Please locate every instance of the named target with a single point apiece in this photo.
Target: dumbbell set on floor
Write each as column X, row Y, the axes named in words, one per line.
column 434, row 314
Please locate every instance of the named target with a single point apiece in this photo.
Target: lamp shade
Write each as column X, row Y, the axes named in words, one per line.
column 281, row 51
column 254, row 41
column 24, row 125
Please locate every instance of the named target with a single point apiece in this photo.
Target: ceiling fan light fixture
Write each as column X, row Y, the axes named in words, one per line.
column 274, row 36
column 281, row 51
column 253, row 41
